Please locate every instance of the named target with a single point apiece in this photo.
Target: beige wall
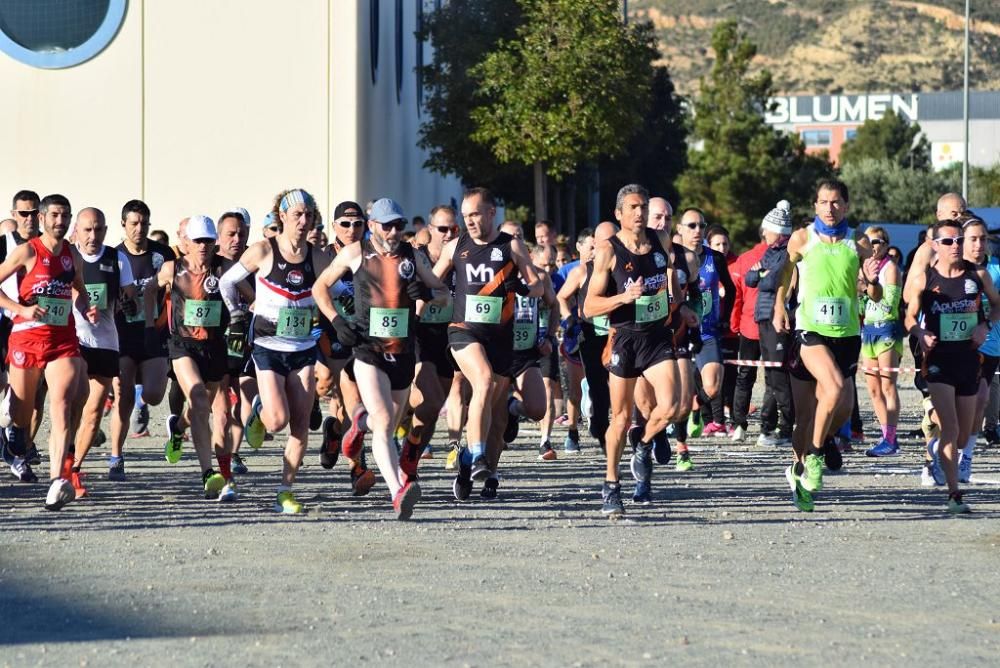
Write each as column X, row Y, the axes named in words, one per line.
column 201, row 105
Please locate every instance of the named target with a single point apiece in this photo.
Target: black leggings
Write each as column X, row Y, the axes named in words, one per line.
column 591, row 349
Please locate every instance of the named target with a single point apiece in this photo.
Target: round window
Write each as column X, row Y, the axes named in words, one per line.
column 58, row 33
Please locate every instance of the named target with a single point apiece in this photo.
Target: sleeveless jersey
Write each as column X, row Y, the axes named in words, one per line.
column 102, row 278
column 991, row 346
column 8, row 243
column 50, row 284
column 196, row 311
column 437, row 317
column 952, row 307
column 649, row 312
column 828, row 293
column 384, row 313
column 144, row 269
column 887, row 310
column 284, row 308
column 708, row 284
column 482, row 303
column 526, row 323
column 597, row 326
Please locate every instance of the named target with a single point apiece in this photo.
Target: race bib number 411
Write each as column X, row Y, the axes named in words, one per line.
column 835, row 311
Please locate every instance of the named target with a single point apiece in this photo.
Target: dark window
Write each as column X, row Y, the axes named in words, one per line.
column 816, row 137
column 373, row 31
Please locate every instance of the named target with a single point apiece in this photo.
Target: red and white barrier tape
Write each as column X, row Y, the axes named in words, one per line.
column 778, row 365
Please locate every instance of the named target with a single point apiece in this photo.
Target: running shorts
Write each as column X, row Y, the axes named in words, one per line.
column 101, row 362
column 628, row 354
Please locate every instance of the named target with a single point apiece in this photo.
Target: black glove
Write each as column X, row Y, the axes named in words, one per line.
column 130, row 307
column 513, row 283
column 236, row 339
column 345, row 333
column 417, row 290
column 151, row 342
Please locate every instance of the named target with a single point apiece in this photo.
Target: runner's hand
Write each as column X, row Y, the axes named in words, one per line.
column 545, row 346
column 236, row 339
column 130, row 307
column 33, row 312
column 151, row 342
column 93, row 315
column 513, row 283
column 927, row 340
column 780, row 319
column 870, row 269
column 690, row 317
column 979, row 334
column 345, row 333
column 416, row 290
column 633, row 290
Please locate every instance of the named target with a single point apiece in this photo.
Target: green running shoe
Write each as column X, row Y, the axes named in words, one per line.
column 802, row 499
column 175, row 441
column 287, row 504
column 684, row 462
column 695, row 424
column 214, row 482
column 812, row 476
column 253, row 430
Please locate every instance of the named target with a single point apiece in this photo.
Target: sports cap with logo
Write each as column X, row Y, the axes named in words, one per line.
column 201, row 227
column 348, row 208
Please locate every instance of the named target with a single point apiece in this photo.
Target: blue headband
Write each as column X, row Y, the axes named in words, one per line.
column 297, row 196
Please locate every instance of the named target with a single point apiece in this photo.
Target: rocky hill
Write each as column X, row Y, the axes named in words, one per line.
column 851, row 46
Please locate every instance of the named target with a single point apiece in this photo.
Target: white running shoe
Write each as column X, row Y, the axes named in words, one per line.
column 60, row 493
column 737, row 435
column 964, row 468
column 5, row 418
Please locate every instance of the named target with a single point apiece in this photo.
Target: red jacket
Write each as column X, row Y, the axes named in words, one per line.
column 741, row 321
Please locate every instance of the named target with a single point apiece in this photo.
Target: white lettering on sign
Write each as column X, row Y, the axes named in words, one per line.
column 796, row 110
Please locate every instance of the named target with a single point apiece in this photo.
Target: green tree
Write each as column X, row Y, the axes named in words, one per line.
column 743, row 166
column 885, row 191
column 890, row 137
column 571, row 87
column 463, row 32
column 984, row 186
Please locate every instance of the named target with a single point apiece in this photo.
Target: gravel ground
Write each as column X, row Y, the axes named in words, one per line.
column 721, row 568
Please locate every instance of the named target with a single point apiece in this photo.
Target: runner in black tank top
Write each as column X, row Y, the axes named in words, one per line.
column 489, row 266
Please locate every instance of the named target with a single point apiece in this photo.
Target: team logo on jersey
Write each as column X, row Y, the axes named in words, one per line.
column 67, row 262
column 615, row 359
column 211, row 284
column 295, row 277
column 496, row 255
column 18, row 357
column 282, row 265
column 628, row 267
column 970, row 287
column 464, row 254
column 661, row 261
column 45, row 262
column 406, row 269
column 157, row 261
column 105, row 267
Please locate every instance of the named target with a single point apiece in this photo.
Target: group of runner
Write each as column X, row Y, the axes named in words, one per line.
column 254, row 338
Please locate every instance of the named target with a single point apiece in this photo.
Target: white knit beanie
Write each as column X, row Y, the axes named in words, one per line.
column 779, row 219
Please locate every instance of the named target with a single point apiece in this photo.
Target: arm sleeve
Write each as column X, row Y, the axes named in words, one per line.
column 228, row 285
column 125, row 271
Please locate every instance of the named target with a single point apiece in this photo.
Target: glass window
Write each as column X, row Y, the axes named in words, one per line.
column 816, row 137
column 58, row 33
column 851, row 134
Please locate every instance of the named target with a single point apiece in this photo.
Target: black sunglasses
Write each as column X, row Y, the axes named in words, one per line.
column 444, row 229
column 398, row 225
column 29, row 212
column 350, row 223
column 695, row 226
column 273, row 228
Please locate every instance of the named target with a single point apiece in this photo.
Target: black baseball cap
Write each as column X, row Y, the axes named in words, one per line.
column 348, row 209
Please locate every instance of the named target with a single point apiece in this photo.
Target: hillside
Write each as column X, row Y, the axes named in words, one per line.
column 814, row 46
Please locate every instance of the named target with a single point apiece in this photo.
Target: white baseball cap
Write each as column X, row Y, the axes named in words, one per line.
column 201, row 227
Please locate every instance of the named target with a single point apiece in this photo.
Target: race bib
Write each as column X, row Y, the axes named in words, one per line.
column 483, row 309
column 388, row 323
column 958, row 326
column 435, row 314
column 57, row 311
column 97, row 295
column 650, row 308
column 706, row 303
column 834, row 311
column 201, row 313
column 295, row 323
column 140, row 315
column 525, row 335
column 602, row 325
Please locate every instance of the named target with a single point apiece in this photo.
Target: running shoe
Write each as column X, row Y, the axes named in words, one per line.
column 480, row 469
column 513, row 424
column 643, row 494
column 842, row 443
column 362, row 477
column 228, row 493
column 885, row 448
column 858, row 436
column 315, row 416
column 571, row 444
column 695, row 424
column 801, row 497
column 175, row 440
column 116, row 469
column 684, row 463
column 936, row 471
column 634, row 436
column 490, row 487
column 738, row 434
column 832, row 457
column 5, row 403
column 451, row 461
column 812, row 474
column 641, row 463
column 991, row 435
column 76, row 479
column 714, row 429
column 330, row 450
column 767, row 439
column 409, row 460
column 140, row 422
column 286, row 503
column 661, row 449
column 546, row 453
column 783, row 438
column 214, row 482
column 21, row 470
column 462, row 487
column 354, row 440
column 253, row 430
column 100, row 438
column 239, row 465
column 562, row 419
column 611, row 494
column 956, row 506
column 34, row 457
column 427, row 453
column 405, row 499
column 964, row 468
column 60, row 493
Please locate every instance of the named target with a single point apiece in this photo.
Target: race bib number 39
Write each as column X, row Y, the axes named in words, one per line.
column 650, row 308
column 483, row 309
column 834, row 311
column 201, row 313
column 958, row 326
column 525, row 335
column 57, row 311
column 294, row 323
column 97, row 295
column 388, row 323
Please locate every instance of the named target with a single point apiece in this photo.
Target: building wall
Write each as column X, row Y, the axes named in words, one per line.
column 200, row 106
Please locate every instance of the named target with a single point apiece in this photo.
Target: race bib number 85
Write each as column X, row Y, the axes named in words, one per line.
column 388, row 323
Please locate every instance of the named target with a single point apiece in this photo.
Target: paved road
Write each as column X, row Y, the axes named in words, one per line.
column 721, row 568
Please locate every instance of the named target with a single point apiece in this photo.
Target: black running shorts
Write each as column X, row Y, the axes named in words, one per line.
column 628, row 354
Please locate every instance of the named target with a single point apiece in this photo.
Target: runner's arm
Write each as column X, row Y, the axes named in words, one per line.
column 595, row 303
column 164, row 277
column 126, row 280
column 427, row 276
column 527, row 270
column 726, row 303
column 991, row 294
column 20, row 257
column 249, row 263
column 568, row 291
column 82, row 299
column 916, row 282
column 445, row 260
column 795, row 244
column 329, row 277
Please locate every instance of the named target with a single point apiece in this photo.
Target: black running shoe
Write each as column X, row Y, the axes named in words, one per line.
column 239, row 466
column 480, row 470
column 831, row 455
column 612, row 495
column 992, row 436
column 34, row 457
column 661, row 449
column 462, row 487
column 513, row 426
column 330, row 448
column 489, row 489
column 316, row 416
column 116, row 471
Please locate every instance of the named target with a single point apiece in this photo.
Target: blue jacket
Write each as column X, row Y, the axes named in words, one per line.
column 767, row 279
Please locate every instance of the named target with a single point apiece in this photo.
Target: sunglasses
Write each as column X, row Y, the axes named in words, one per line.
column 948, row 241
column 444, row 229
column 346, row 224
column 876, row 242
column 29, row 212
column 398, row 225
column 695, row 226
column 273, row 228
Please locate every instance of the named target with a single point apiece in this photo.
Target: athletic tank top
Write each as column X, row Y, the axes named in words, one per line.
column 991, row 346
column 8, row 243
column 284, row 308
column 435, row 316
column 482, row 303
column 708, row 284
column 597, row 326
column 828, row 292
column 103, row 281
column 650, row 311
column 952, row 307
column 50, row 284
column 196, row 309
column 887, row 310
column 526, row 327
column 144, row 269
column 384, row 313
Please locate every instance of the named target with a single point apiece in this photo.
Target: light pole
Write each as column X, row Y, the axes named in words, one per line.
column 965, row 111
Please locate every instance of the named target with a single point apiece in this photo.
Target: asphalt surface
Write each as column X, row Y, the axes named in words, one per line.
column 721, row 568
